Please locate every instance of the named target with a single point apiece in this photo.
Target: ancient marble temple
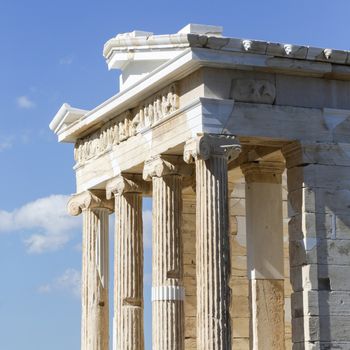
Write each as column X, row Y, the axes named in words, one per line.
column 244, row 147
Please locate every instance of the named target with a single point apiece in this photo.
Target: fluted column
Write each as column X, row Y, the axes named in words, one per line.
column 211, row 154
column 95, row 270
column 167, row 276
column 265, row 253
column 128, row 327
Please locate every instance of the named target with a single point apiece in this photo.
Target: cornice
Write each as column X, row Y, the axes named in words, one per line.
column 193, row 51
column 140, row 41
column 65, row 116
column 143, row 43
column 167, row 73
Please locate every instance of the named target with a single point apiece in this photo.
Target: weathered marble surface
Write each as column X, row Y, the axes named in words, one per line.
column 211, row 100
column 265, row 253
column 319, row 244
column 168, row 292
column 211, row 155
column 128, row 329
column 95, row 268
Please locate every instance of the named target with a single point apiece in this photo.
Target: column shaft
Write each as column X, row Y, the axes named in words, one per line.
column 213, row 329
column 95, row 306
column 128, row 281
column 85, row 283
column 167, row 293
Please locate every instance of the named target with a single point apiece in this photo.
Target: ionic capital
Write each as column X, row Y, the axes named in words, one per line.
column 264, row 171
column 124, row 183
column 208, row 145
column 163, row 165
column 94, row 199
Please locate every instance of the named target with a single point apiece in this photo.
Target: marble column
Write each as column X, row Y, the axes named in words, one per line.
column 128, row 263
column 265, row 253
column 95, row 270
column 167, row 276
column 211, row 154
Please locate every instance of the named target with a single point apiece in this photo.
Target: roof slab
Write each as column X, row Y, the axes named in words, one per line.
column 169, row 58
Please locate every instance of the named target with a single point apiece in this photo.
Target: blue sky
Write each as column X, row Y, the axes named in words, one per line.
column 50, row 53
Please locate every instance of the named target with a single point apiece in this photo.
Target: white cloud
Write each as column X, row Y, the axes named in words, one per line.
column 45, row 288
column 67, row 60
column 68, row 282
column 46, row 242
column 25, row 102
column 48, row 217
column 5, row 143
column 47, row 226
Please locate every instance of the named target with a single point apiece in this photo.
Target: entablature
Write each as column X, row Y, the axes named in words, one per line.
column 203, row 48
column 252, row 123
column 128, row 124
column 265, row 94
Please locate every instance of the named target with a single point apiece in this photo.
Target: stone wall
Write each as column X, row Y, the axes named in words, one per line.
column 318, row 184
column 239, row 282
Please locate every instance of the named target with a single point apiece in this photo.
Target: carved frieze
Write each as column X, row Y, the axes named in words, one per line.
column 251, row 90
column 157, row 107
column 128, row 124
